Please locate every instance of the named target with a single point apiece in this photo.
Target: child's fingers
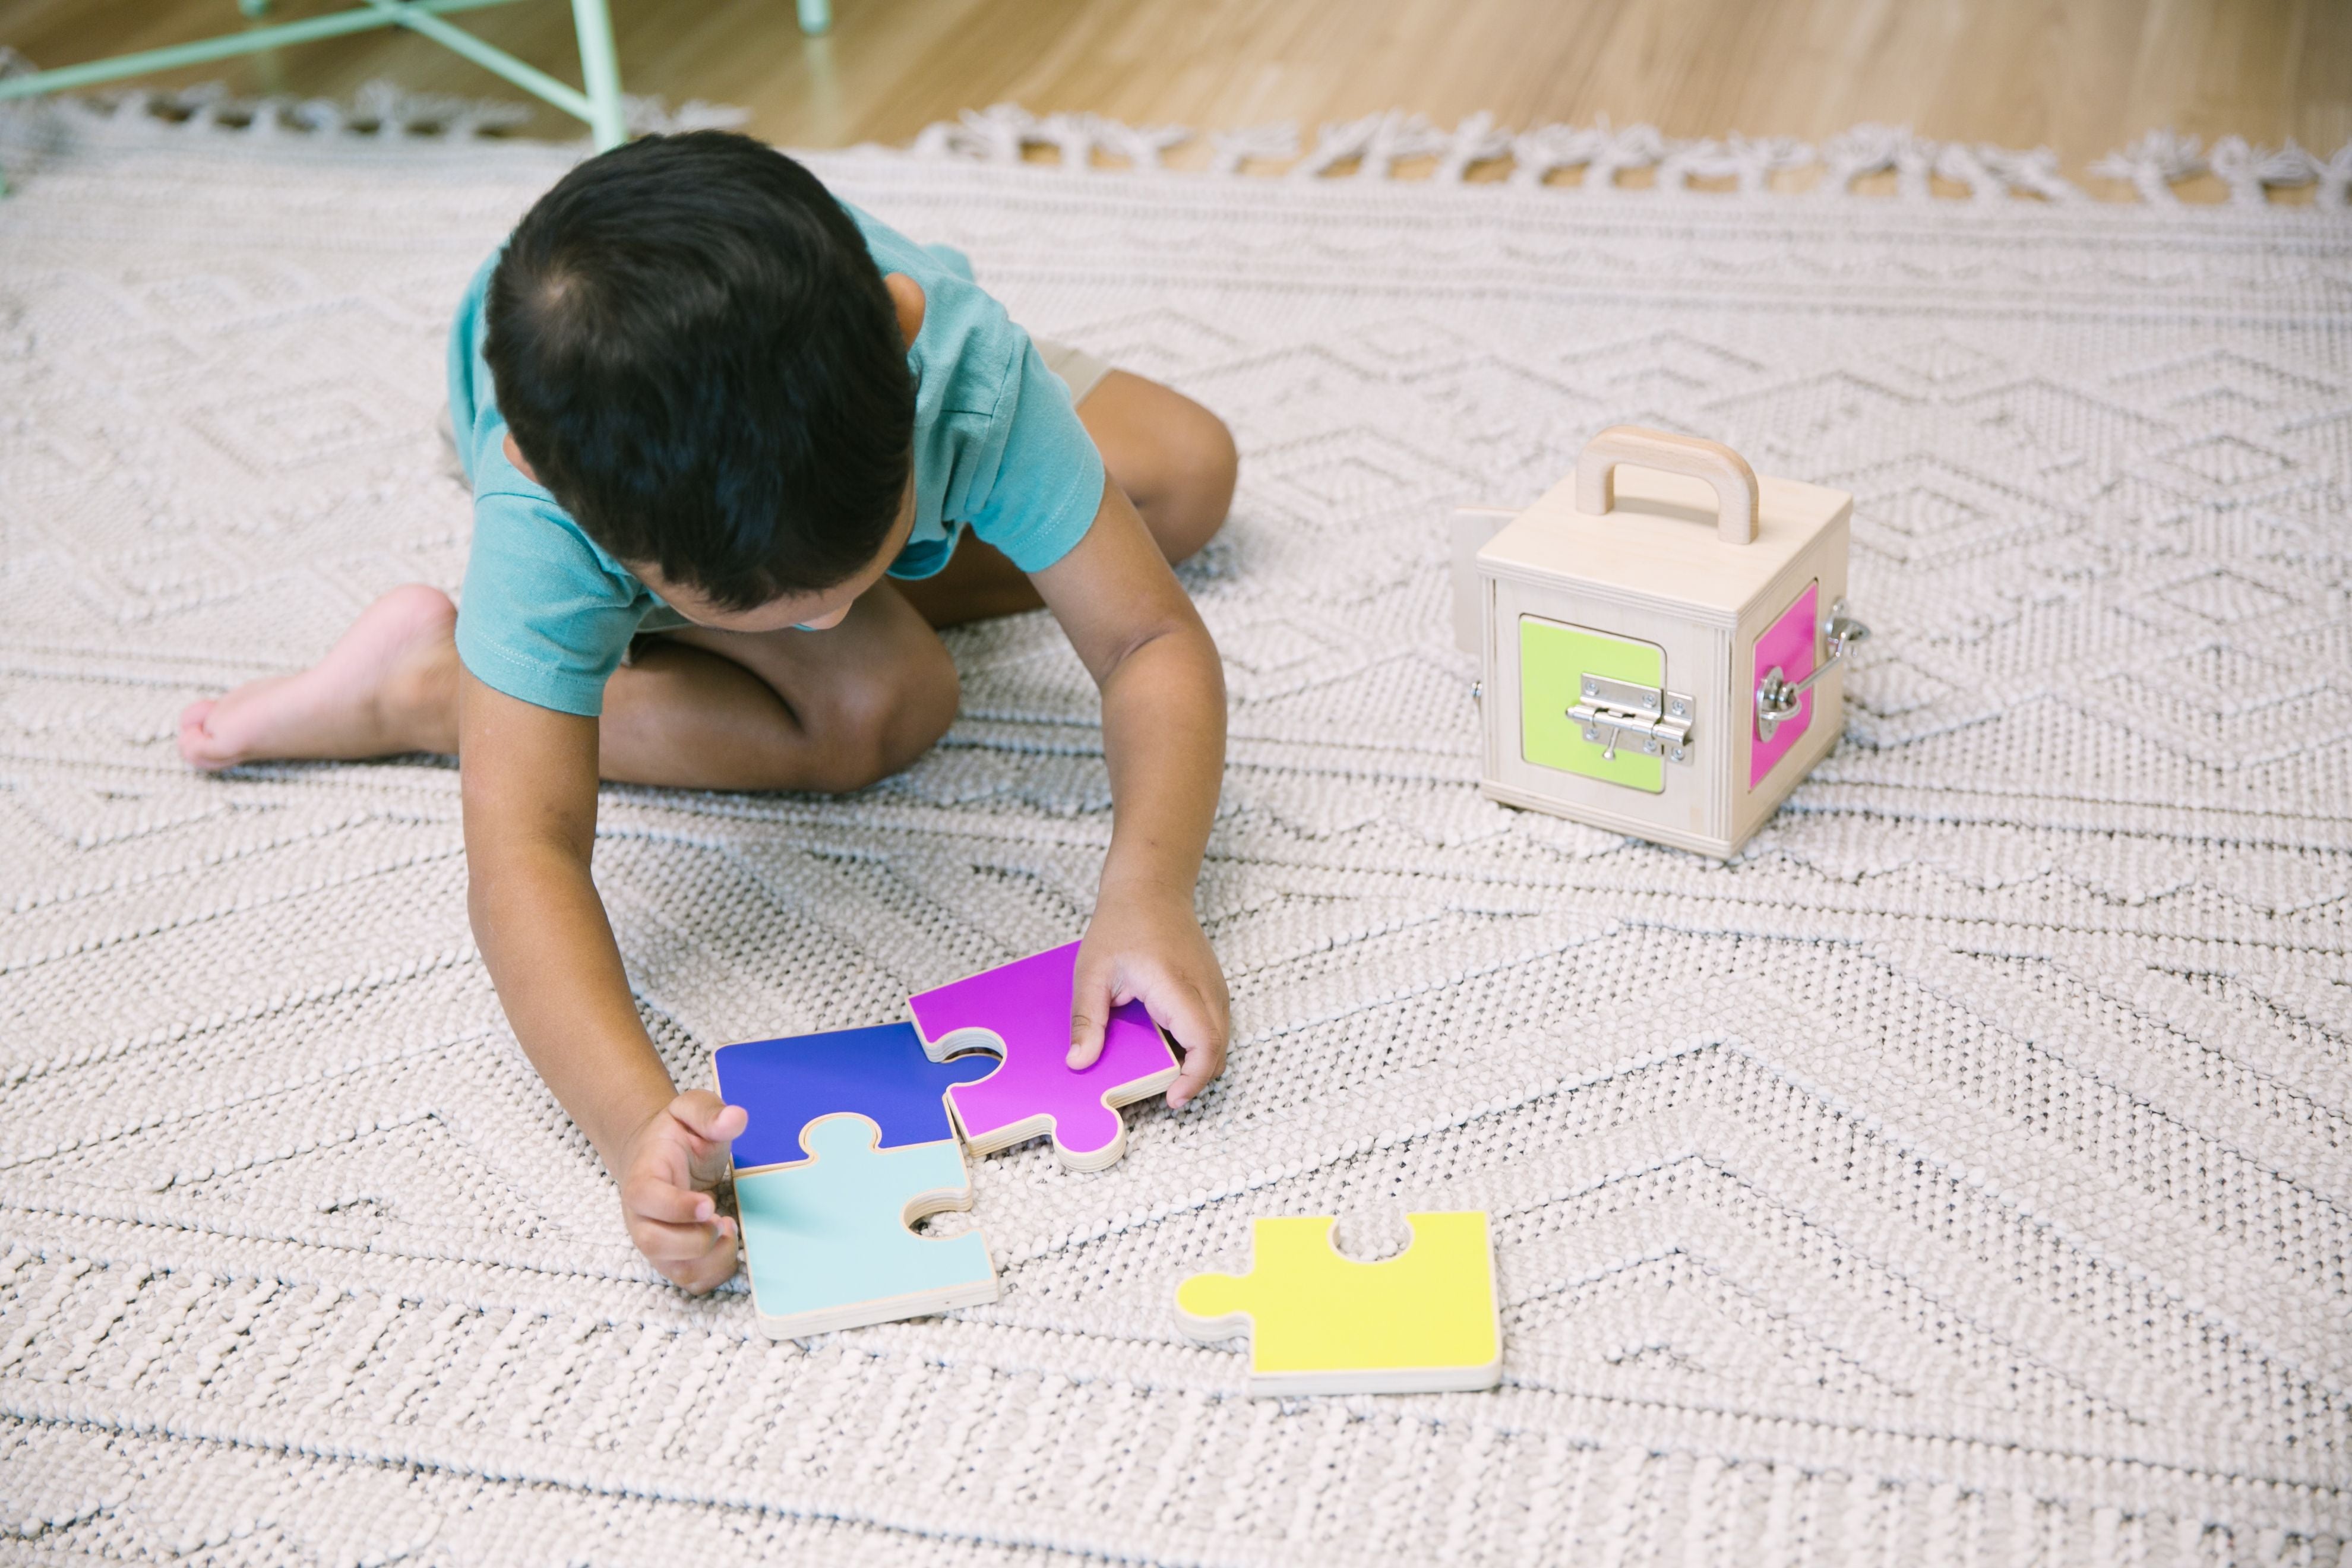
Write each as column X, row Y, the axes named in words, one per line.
column 1179, row 1007
column 1200, row 1068
column 1089, row 1013
column 679, row 1243
column 713, row 1127
column 708, row 1117
column 665, row 1203
column 703, row 1274
column 701, row 1270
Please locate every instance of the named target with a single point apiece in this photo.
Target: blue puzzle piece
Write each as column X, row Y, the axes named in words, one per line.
column 881, row 1074
column 826, row 1245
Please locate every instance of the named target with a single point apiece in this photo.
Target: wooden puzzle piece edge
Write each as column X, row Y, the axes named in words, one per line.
column 886, row 1309
column 1458, row 1379
column 1381, row 1380
column 919, row 1206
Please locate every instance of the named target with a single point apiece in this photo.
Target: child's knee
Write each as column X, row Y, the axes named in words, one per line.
column 879, row 722
column 929, row 693
column 1203, row 465
column 1220, row 467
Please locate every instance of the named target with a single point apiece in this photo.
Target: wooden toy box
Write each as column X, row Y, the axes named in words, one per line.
column 1661, row 639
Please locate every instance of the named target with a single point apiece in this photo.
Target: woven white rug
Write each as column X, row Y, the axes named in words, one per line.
column 1961, row 1177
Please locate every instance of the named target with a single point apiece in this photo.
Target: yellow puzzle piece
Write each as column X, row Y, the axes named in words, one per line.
column 1418, row 1322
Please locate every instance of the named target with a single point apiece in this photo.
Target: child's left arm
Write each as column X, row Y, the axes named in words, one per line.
column 1163, row 719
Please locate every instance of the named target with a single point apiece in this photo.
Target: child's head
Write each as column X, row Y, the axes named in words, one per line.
column 695, row 354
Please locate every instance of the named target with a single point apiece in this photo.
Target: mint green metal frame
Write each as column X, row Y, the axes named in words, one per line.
column 600, row 70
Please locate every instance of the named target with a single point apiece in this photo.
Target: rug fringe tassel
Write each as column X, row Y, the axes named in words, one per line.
column 1374, row 144
column 377, row 109
column 1377, row 144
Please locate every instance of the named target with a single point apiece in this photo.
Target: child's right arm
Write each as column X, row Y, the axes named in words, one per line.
column 529, row 781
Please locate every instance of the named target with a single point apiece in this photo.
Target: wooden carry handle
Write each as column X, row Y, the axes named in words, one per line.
column 1719, row 465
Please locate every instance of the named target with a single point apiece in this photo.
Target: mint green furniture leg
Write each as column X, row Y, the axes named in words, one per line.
column 600, row 70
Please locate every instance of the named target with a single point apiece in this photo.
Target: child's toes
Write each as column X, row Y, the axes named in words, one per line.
column 198, row 748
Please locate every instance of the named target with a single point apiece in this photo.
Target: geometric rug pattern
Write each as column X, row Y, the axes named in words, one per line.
column 1962, row 1176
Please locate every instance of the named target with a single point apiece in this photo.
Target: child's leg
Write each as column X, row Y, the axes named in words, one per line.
column 1174, row 459
column 819, row 711
column 389, row 685
column 829, row 710
column 822, row 711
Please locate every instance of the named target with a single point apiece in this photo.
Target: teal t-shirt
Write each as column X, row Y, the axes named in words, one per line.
column 547, row 615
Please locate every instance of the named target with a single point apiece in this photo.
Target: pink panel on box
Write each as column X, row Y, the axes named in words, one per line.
column 1788, row 642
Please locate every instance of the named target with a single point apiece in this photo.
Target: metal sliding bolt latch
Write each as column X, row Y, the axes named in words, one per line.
column 1647, row 719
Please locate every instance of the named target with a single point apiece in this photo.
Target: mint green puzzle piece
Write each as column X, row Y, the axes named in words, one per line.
column 826, row 1242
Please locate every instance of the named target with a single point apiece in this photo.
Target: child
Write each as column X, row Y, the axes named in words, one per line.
column 726, row 437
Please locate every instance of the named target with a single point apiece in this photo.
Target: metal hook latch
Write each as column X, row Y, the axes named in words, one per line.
column 1776, row 695
column 1648, row 718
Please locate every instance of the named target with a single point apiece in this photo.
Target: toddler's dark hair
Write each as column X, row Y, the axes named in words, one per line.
column 697, row 354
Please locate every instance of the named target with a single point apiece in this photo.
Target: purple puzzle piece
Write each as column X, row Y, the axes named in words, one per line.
column 1026, row 1005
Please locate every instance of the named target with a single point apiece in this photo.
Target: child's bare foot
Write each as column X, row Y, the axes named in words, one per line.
column 389, row 685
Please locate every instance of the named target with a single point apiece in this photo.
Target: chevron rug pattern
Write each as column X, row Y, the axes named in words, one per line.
column 1963, row 1176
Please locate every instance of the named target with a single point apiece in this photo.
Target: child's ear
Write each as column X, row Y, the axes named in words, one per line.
column 514, row 456
column 907, row 296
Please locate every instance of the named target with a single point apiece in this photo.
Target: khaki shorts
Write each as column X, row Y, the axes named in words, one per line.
column 1080, row 370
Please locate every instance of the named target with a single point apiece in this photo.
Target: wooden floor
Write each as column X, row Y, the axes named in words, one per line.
column 2081, row 76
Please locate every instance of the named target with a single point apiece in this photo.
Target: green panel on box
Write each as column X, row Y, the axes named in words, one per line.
column 1553, row 660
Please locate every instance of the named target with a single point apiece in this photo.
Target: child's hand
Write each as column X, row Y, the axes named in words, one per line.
column 1152, row 950
column 667, row 1172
